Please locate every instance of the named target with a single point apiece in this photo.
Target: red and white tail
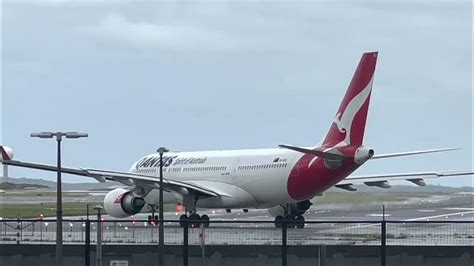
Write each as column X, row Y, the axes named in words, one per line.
column 349, row 124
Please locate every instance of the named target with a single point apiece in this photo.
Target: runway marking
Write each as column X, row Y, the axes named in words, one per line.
column 466, row 193
column 426, row 210
column 316, row 212
column 257, row 217
column 413, row 219
column 439, row 216
column 378, row 215
column 460, row 209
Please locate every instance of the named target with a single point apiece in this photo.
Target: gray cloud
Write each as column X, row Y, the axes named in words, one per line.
column 147, row 34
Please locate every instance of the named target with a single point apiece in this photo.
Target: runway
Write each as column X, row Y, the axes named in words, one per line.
column 414, row 222
column 453, row 207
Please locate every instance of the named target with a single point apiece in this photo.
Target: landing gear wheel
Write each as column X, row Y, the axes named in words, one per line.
column 205, row 220
column 290, row 222
column 300, row 222
column 278, row 221
column 152, row 219
column 182, row 219
column 195, row 220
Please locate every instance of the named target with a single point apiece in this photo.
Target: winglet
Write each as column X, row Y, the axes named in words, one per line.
column 6, row 153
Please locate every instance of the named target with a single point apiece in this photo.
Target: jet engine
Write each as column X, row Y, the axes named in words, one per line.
column 296, row 209
column 121, row 203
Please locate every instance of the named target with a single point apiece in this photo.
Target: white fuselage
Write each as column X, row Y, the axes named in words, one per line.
column 254, row 178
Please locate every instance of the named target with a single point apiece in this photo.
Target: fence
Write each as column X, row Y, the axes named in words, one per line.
column 446, row 233
column 348, row 233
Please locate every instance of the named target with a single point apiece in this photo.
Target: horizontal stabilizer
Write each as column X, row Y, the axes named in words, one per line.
column 326, row 155
column 399, row 154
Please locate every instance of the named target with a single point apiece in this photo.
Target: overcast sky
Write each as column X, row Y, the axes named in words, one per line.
column 137, row 75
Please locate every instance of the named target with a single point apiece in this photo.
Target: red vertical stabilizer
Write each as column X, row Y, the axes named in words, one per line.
column 349, row 124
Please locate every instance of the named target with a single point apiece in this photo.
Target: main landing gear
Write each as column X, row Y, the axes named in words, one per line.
column 153, row 219
column 194, row 219
column 291, row 220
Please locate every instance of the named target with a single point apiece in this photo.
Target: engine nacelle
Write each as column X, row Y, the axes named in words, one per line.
column 362, row 154
column 296, row 209
column 121, row 203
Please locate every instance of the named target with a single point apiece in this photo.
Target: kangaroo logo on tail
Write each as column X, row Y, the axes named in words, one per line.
column 349, row 124
column 344, row 123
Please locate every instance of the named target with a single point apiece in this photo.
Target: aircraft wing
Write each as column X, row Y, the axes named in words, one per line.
column 383, row 180
column 128, row 179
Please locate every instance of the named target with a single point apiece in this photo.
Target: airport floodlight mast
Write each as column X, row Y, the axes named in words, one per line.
column 59, row 206
column 161, row 150
column 98, row 253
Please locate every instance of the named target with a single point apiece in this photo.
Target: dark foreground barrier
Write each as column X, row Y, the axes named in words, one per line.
column 254, row 242
column 147, row 255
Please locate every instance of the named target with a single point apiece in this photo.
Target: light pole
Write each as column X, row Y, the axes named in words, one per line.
column 87, row 254
column 87, row 210
column 59, row 205
column 161, row 233
column 98, row 253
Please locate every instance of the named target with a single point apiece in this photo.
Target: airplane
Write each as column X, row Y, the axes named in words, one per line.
column 283, row 179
